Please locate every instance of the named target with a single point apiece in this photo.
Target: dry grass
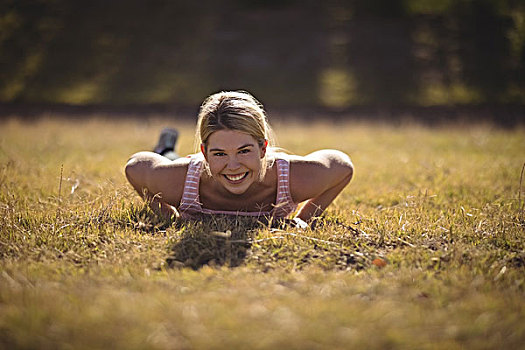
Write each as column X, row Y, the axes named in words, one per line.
column 83, row 264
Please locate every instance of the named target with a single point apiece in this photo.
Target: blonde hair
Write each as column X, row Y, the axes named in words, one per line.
column 233, row 110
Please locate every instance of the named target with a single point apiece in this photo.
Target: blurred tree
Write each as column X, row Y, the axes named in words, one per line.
column 334, row 54
column 483, row 47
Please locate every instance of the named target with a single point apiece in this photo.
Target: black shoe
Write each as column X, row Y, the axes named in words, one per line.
column 167, row 141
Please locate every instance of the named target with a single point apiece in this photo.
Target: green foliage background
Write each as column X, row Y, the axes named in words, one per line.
column 330, row 54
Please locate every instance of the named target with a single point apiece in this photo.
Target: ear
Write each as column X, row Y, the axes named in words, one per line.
column 263, row 148
column 203, row 151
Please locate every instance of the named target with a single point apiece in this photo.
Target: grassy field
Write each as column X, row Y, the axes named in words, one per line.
column 424, row 250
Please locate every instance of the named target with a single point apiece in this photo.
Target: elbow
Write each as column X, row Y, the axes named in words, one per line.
column 132, row 169
column 344, row 163
column 348, row 170
column 135, row 170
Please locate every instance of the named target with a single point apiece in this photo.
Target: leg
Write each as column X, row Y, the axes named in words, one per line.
column 166, row 144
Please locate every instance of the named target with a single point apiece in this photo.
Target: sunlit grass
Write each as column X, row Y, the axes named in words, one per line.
column 85, row 265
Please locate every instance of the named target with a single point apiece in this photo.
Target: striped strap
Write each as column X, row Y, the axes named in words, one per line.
column 284, row 203
column 190, row 196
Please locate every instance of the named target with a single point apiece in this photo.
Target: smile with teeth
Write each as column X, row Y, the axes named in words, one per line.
column 236, row 177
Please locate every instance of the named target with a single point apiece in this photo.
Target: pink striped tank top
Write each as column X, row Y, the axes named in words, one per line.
column 190, row 205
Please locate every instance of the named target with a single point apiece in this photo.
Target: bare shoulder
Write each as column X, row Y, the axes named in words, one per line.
column 158, row 175
column 159, row 163
column 314, row 173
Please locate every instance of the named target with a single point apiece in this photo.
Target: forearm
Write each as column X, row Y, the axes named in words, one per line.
column 158, row 181
column 166, row 211
column 316, row 206
column 309, row 210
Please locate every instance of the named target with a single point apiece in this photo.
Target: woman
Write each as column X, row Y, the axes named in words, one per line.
column 237, row 171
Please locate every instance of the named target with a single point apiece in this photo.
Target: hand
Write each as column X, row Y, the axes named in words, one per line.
column 300, row 223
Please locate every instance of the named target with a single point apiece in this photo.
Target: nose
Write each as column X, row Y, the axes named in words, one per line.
column 233, row 163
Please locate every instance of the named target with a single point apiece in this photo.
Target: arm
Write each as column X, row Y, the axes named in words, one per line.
column 158, row 180
column 317, row 179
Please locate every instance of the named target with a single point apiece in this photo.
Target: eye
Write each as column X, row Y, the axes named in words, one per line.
column 219, row 154
column 244, row 151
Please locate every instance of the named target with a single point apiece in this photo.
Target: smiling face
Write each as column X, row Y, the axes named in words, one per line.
column 235, row 159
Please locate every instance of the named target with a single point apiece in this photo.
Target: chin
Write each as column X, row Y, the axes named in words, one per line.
column 240, row 188
column 237, row 189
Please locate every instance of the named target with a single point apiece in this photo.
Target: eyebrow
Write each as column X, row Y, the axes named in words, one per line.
column 243, row 146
